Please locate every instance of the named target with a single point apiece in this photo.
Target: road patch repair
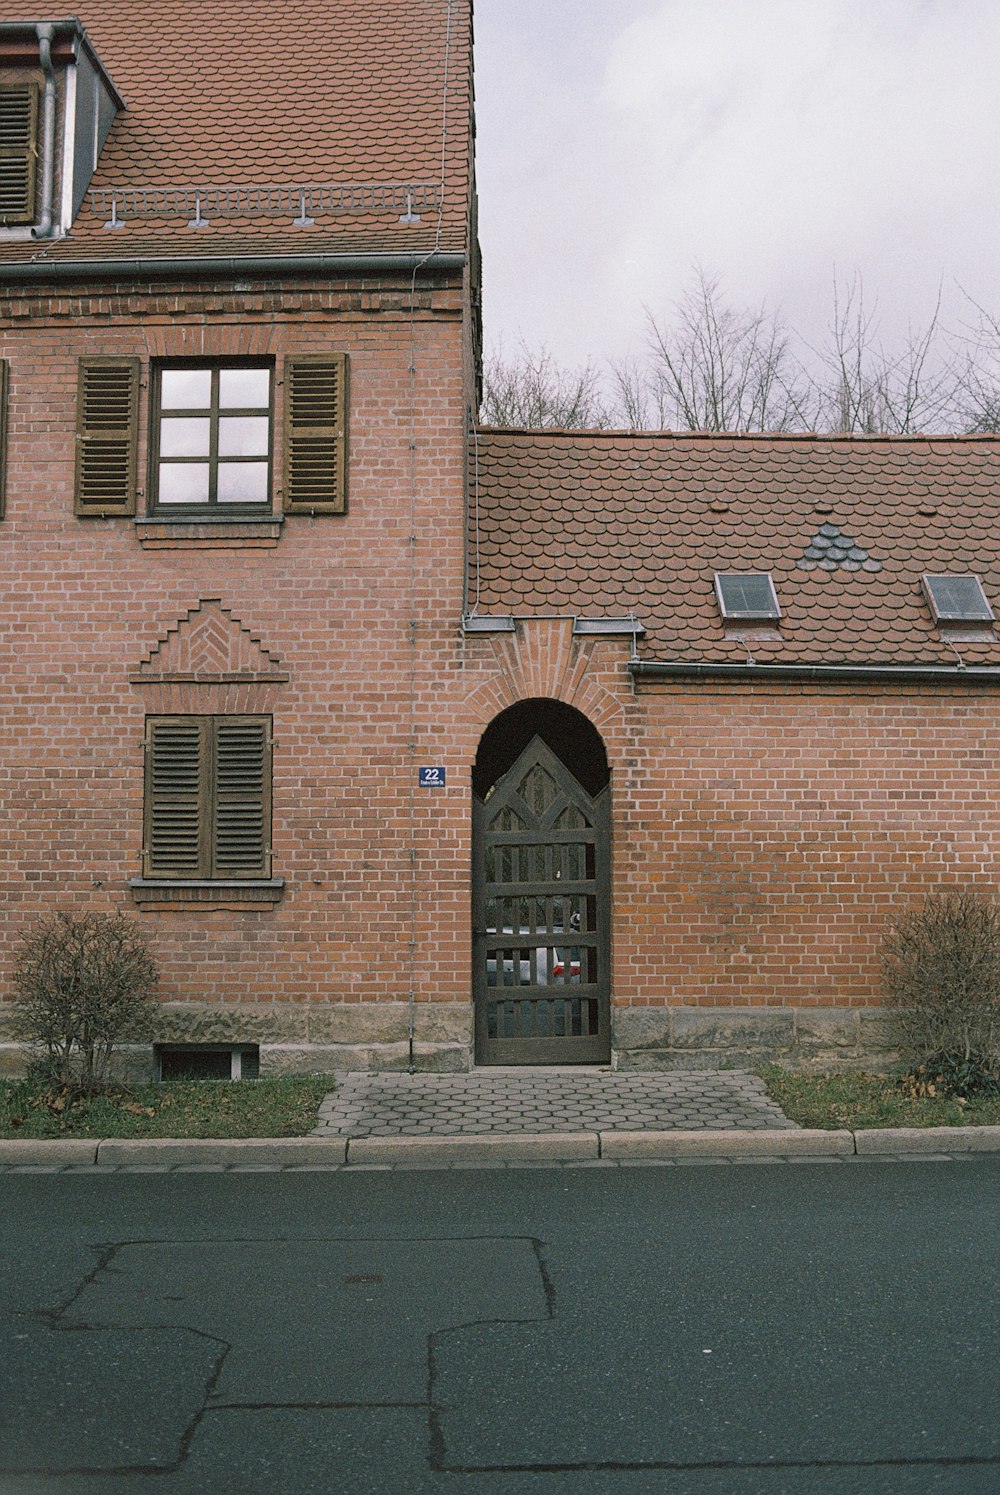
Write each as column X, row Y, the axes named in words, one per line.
column 520, row 1116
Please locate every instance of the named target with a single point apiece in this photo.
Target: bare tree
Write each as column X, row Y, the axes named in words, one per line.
column 640, row 399
column 862, row 388
column 979, row 374
column 532, row 390
column 715, row 368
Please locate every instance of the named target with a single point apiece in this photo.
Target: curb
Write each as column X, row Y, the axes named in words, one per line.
column 507, row 1147
column 916, row 1139
column 790, row 1142
column 511, row 1147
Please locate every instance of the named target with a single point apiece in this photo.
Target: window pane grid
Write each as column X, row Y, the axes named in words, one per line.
column 212, row 450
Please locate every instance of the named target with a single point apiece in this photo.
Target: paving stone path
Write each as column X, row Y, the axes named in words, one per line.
column 487, row 1102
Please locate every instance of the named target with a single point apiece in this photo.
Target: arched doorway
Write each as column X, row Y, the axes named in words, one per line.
column 541, row 889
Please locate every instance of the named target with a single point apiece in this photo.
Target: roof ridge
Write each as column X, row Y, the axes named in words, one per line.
column 882, row 438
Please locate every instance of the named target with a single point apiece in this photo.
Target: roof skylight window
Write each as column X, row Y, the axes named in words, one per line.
column 957, row 599
column 747, row 597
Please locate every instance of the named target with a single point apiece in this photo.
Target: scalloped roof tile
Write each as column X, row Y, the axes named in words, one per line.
column 911, row 504
column 275, row 92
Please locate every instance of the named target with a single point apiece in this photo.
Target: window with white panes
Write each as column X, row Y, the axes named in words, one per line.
column 212, row 438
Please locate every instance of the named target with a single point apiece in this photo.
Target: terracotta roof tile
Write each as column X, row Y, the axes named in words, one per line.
column 275, row 92
column 561, row 529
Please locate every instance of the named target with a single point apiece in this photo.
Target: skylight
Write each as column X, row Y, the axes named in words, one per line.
column 957, row 599
column 747, row 597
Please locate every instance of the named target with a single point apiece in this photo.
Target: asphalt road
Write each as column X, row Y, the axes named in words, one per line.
column 727, row 1330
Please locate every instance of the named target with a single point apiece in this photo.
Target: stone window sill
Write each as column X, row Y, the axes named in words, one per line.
column 206, row 532
column 197, row 892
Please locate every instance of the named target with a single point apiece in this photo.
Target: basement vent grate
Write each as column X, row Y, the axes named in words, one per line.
column 207, row 1061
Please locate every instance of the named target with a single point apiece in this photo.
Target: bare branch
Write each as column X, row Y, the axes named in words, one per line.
column 714, row 368
column 531, row 390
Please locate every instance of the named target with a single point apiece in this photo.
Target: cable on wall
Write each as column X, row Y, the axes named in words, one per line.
column 411, row 755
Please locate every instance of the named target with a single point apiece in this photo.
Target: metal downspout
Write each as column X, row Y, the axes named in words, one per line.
column 44, row 31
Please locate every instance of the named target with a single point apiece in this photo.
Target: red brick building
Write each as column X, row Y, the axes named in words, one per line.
column 410, row 742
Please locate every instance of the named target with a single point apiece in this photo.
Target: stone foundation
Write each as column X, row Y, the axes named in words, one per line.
column 821, row 1038
column 329, row 1037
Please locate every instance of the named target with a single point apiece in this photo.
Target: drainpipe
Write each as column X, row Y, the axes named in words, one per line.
column 44, row 31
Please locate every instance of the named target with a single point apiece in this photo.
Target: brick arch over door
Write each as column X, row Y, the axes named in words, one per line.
column 541, row 889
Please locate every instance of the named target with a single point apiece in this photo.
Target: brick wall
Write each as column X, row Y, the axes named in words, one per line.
column 85, row 604
column 762, row 836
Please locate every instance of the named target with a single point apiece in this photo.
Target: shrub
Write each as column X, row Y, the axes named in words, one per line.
column 85, row 983
column 940, row 966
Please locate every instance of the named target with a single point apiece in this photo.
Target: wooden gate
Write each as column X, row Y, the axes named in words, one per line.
column 541, row 910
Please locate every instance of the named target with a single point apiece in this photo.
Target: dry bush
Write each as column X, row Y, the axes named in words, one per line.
column 940, row 967
column 85, row 983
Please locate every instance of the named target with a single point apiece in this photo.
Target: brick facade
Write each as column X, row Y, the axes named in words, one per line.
column 307, row 621
column 763, row 823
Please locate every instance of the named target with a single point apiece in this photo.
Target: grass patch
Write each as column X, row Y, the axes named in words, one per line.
column 285, row 1107
column 857, row 1101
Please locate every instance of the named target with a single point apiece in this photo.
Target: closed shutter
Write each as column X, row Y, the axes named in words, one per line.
column 3, row 436
column 242, row 819
column 107, row 422
column 177, row 796
column 316, row 435
column 208, row 797
column 18, row 153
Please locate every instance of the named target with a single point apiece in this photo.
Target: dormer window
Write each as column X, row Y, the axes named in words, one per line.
column 957, row 601
column 747, row 597
column 18, row 153
column 57, row 105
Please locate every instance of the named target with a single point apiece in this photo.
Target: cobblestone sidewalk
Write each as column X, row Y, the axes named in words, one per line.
column 488, row 1102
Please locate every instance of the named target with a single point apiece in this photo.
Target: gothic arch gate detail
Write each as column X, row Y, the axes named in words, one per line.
column 541, row 911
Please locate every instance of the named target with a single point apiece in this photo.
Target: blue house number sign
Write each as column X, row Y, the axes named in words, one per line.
column 431, row 778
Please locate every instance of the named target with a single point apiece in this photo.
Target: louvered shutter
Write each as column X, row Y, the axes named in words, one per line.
column 107, row 428
column 3, row 436
column 18, row 153
column 178, row 765
column 316, row 435
column 241, row 830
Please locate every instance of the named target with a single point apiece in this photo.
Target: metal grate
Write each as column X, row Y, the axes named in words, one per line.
column 541, row 899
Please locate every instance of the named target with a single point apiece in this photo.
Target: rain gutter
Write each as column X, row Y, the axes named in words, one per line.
column 30, row 272
column 653, row 669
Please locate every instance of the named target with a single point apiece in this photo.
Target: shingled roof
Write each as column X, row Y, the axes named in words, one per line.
column 601, row 523
column 243, row 94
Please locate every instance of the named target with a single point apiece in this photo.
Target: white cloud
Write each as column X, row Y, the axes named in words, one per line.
column 767, row 139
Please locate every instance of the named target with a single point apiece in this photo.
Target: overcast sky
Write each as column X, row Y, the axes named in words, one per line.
column 622, row 141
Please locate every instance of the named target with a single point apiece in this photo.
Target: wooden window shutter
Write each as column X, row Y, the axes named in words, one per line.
column 3, row 435
column 316, row 435
column 106, row 434
column 177, row 796
column 18, row 152
column 241, row 823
